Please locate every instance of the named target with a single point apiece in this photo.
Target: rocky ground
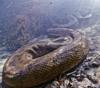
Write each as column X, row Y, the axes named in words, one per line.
column 86, row 75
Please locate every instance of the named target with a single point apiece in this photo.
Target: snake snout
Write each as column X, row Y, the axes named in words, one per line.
column 10, row 72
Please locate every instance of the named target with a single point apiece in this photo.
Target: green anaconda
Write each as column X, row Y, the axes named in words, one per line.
column 41, row 61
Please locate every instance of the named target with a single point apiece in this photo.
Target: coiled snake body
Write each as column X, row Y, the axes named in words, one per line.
column 41, row 61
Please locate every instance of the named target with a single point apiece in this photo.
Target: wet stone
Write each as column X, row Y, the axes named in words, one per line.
column 80, row 77
column 92, row 79
column 95, row 64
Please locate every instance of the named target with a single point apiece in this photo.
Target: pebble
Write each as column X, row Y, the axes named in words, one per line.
column 92, row 79
column 95, row 64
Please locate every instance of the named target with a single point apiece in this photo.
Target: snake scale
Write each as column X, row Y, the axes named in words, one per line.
column 43, row 60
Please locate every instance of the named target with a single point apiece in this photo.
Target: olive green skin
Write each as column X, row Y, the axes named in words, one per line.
column 22, row 72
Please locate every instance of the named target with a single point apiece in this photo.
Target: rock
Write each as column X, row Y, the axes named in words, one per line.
column 92, row 79
column 95, row 64
column 97, row 73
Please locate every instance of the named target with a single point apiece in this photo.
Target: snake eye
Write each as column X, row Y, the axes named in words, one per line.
column 32, row 53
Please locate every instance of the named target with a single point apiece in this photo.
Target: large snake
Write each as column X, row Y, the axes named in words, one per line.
column 42, row 60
